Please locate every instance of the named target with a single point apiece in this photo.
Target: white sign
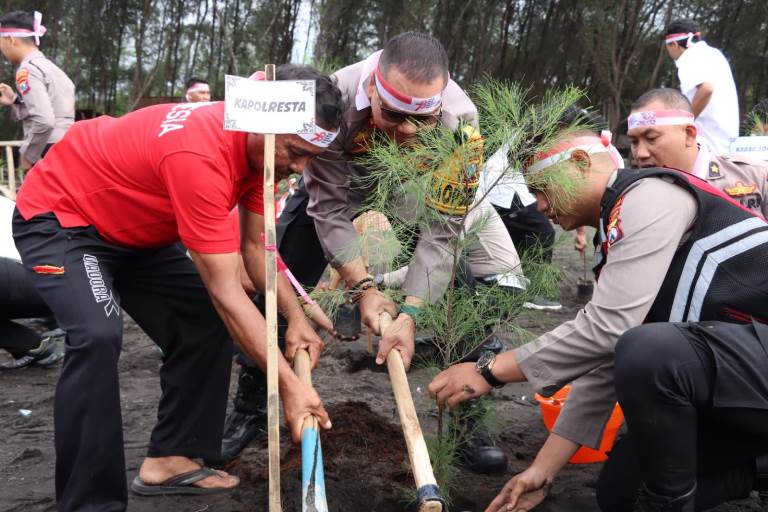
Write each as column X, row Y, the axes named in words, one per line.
column 752, row 147
column 261, row 106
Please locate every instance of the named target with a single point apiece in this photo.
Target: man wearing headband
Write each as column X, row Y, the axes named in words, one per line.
column 394, row 92
column 670, row 248
column 44, row 96
column 663, row 134
column 97, row 226
column 706, row 80
column 197, row 90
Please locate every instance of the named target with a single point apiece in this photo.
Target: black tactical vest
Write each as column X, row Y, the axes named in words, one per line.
column 720, row 272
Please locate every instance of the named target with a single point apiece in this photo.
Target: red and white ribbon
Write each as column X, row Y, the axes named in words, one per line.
column 38, row 29
column 321, row 138
column 403, row 102
column 659, row 118
column 563, row 151
column 671, row 38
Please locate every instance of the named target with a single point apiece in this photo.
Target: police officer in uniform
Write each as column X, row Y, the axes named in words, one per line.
column 391, row 93
column 673, row 330
column 663, row 134
column 44, row 99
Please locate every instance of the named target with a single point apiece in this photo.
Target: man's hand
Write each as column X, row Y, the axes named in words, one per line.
column 372, row 304
column 300, row 401
column 457, row 384
column 523, row 493
column 315, row 313
column 580, row 239
column 25, row 164
column 400, row 336
column 300, row 334
column 7, row 95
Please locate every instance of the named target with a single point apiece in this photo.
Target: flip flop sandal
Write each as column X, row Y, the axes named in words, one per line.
column 180, row 484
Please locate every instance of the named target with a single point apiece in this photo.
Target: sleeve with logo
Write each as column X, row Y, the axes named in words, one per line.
column 653, row 218
column 201, row 194
column 36, row 111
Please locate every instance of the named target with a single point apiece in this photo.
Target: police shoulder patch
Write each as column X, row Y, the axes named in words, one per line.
column 614, row 233
column 22, row 81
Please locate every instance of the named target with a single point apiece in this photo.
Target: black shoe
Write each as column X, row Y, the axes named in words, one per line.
column 248, row 419
column 239, row 431
column 45, row 355
column 478, row 454
column 477, row 451
column 648, row 501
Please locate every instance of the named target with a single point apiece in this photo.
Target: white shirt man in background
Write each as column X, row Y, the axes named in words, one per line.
column 706, row 80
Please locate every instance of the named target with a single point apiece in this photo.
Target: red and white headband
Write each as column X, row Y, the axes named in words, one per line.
column 321, row 138
column 671, row 38
column 37, row 32
column 405, row 103
column 199, row 87
column 563, row 151
column 659, row 118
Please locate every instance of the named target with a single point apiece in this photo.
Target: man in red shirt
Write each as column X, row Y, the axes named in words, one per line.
column 97, row 226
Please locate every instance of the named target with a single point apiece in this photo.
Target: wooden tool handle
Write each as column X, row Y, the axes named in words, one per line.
column 414, row 438
column 302, row 365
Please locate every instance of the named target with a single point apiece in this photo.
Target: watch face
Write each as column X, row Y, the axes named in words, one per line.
column 484, row 360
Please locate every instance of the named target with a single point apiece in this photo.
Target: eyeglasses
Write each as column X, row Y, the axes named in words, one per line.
column 398, row 117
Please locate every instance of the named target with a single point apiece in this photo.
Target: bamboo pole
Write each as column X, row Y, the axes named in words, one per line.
column 273, row 396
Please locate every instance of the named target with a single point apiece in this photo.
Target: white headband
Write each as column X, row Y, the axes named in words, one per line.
column 199, row 87
column 322, row 138
column 561, row 152
column 400, row 101
column 659, row 118
column 38, row 29
column 671, row 38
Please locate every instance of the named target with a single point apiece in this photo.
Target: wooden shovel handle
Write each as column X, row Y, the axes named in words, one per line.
column 414, row 438
column 302, row 365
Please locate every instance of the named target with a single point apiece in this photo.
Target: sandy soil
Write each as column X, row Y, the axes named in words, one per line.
column 365, row 459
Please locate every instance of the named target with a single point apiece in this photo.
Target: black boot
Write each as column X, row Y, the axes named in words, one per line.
column 648, row 501
column 248, row 419
column 477, row 450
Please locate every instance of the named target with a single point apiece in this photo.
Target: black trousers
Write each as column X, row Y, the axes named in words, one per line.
column 680, row 434
column 18, row 299
column 531, row 232
column 163, row 293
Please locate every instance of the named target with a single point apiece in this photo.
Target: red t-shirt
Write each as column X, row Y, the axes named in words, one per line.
column 148, row 179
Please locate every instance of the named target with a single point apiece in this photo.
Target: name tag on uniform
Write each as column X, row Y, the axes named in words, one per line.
column 752, row 147
column 260, row 106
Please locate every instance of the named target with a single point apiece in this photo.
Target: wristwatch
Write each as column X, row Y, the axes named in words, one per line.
column 484, row 365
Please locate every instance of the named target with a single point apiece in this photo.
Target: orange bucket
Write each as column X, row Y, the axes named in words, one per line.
column 550, row 410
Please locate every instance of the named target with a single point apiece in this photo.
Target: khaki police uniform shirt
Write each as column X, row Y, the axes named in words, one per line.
column 337, row 187
column 47, row 104
column 745, row 180
column 653, row 220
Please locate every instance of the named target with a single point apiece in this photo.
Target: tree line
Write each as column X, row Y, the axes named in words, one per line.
column 117, row 51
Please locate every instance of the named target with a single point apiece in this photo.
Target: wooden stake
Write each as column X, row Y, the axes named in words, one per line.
column 414, row 438
column 273, row 395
